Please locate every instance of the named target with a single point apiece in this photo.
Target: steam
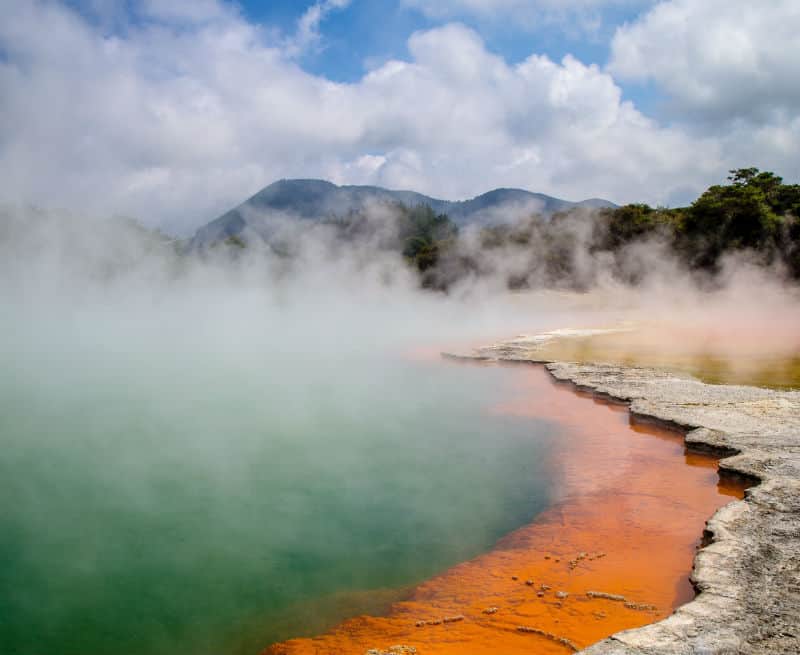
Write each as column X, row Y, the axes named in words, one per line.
column 126, row 359
column 340, row 289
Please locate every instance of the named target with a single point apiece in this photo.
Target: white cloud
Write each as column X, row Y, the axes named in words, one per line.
column 196, row 11
column 719, row 58
column 176, row 123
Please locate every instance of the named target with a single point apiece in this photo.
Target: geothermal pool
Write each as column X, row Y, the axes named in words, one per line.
column 612, row 551
column 157, row 505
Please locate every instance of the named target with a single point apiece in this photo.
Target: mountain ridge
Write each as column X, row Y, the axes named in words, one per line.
column 316, row 199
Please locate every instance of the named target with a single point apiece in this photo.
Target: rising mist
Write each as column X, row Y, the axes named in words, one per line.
column 198, row 443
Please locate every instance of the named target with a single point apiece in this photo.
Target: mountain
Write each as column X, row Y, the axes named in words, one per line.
column 319, row 200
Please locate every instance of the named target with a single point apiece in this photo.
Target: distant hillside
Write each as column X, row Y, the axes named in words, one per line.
column 321, row 200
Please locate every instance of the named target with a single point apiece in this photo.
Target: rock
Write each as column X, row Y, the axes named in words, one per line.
column 529, row 583
column 453, row 619
column 561, row 595
column 603, row 594
column 491, row 610
column 548, row 635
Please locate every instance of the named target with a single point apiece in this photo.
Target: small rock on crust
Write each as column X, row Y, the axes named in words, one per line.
column 393, row 650
column 603, row 594
column 548, row 635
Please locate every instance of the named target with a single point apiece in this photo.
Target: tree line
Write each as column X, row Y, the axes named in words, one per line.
column 754, row 214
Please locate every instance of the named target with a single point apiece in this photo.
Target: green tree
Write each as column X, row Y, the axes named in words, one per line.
column 734, row 216
column 424, row 233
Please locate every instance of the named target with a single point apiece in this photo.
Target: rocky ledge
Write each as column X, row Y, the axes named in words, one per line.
column 748, row 573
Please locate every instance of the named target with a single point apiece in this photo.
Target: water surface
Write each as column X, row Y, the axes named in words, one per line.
column 185, row 502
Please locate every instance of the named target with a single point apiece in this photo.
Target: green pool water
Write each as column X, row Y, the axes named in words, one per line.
column 212, row 503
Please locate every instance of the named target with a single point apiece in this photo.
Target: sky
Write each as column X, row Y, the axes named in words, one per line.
column 172, row 111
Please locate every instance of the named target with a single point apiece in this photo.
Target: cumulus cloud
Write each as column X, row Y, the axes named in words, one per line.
column 176, row 119
column 721, row 59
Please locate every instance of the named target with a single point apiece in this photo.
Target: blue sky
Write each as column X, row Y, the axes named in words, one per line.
column 173, row 111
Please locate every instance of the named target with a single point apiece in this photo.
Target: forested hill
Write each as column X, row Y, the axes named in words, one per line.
column 552, row 242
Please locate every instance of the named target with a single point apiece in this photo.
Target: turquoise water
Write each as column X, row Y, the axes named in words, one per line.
column 215, row 503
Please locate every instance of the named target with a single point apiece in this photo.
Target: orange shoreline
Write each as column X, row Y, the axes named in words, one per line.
column 625, row 524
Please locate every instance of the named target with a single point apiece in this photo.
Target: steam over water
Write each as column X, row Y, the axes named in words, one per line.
column 210, row 461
